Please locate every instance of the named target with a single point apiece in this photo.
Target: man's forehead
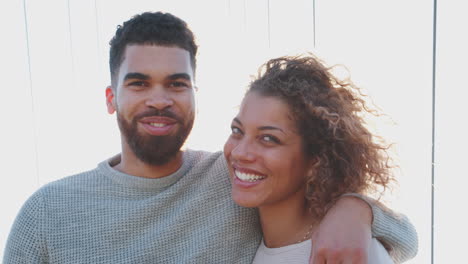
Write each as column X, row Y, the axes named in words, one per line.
column 172, row 53
column 155, row 58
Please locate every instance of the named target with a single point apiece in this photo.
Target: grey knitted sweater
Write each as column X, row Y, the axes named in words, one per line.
column 105, row 216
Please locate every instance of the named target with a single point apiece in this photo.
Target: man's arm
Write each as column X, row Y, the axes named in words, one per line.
column 24, row 244
column 393, row 230
column 345, row 232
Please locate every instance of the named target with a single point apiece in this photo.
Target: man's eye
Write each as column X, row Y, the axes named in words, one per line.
column 178, row 84
column 137, row 83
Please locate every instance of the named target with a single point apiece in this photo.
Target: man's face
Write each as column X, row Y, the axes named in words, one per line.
column 154, row 100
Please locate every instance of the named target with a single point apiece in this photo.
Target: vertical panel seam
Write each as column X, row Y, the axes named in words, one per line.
column 98, row 41
column 72, row 57
column 314, row 20
column 269, row 30
column 245, row 17
column 34, row 128
column 434, row 70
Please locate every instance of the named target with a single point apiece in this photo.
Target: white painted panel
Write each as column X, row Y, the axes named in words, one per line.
column 87, row 114
column 387, row 45
column 52, row 86
column 291, row 27
column 17, row 147
column 451, row 178
column 257, row 24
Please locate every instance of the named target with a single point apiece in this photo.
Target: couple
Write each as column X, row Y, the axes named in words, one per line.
column 296, row 147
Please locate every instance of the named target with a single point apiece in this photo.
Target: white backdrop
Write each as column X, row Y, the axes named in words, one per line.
column 53, row 69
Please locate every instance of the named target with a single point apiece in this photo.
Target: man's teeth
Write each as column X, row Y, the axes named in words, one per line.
column 248, row 177
column 157, row 124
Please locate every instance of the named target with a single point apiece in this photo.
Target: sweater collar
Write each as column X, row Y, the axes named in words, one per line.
column 133, row 181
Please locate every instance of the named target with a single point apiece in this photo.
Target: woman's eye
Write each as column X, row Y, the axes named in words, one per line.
column 235, row 130
column 268, row 139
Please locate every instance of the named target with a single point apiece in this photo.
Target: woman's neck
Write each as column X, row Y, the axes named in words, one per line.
column 287, row 222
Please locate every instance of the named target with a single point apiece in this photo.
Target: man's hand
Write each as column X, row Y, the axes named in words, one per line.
column 344, row 235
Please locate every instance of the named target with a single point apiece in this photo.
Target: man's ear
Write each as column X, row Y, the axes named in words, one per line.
column 110, row 101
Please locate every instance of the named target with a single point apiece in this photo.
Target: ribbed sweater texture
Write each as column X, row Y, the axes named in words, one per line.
column 105, row 216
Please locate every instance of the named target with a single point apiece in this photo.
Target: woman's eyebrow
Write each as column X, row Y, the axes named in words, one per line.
column 270, row 128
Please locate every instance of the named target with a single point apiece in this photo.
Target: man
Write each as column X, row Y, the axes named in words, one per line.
column 154, row 203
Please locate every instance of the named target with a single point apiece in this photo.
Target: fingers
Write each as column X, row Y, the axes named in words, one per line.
column 339, row 256
column 318, row 258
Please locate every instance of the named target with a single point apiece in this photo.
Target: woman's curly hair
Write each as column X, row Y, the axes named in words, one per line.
column 328, row 113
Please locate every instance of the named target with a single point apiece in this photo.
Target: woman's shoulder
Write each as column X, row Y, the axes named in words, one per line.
column 293, row 254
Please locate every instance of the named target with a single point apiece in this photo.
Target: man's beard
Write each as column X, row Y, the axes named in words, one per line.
column 155, row 150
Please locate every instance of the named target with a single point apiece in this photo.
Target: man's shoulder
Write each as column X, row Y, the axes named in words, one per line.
column 70, row 183
column 58, row 188
column 203, row 155
column 205, row 160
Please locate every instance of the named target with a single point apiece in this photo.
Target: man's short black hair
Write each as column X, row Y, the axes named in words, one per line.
column 149, row 28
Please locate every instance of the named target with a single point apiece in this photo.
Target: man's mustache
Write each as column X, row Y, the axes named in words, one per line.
column 156, row 112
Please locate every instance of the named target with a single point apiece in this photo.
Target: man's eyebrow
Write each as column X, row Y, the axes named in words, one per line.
column 176, row 76
column 136, row 75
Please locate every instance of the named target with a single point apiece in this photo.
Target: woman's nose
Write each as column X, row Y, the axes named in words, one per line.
column 243, row 151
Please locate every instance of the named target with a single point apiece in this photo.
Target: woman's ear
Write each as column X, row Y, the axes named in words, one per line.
column 313, row 164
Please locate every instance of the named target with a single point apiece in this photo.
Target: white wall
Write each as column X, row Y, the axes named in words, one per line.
column 18, row 147
column 387, row 46
column 54, row 71
column 451, row 131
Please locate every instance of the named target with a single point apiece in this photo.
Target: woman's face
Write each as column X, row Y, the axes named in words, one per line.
column 264, row 154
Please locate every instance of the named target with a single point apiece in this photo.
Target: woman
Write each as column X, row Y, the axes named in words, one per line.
column 297, row 145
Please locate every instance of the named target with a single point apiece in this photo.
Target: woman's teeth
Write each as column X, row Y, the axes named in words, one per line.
column 248, row 177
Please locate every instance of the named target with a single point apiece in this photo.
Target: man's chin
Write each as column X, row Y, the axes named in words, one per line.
column 157, row 152
column 156, row 159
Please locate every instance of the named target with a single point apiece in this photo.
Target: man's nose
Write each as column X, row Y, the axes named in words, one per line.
column 159, row 98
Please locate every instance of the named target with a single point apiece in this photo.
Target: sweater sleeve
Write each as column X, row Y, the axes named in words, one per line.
column 394, row 231
column 25, row 243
